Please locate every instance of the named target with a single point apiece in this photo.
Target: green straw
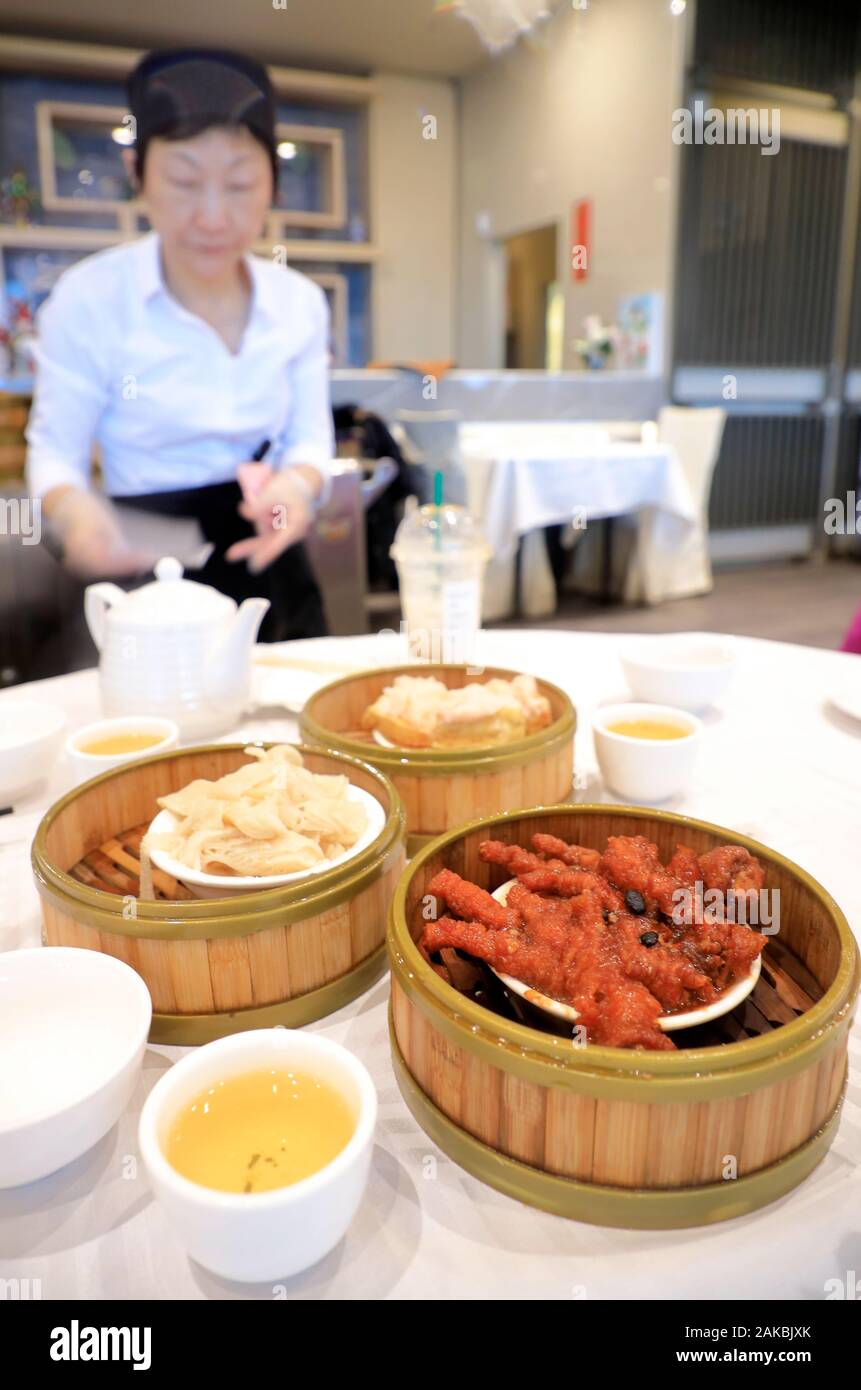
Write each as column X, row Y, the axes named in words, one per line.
column 437, row 501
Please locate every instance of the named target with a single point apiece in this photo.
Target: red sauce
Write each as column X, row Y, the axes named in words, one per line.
column 599, row 932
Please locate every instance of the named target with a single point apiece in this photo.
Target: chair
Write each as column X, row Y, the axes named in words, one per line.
column 696, row 435
column 336, row 547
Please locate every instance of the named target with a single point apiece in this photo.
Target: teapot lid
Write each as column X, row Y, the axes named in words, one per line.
column 172, row 599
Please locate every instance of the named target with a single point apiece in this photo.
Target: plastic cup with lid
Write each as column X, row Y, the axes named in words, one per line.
column 441, row 556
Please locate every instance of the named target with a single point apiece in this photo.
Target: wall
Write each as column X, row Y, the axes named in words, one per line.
column 582, row 109
column 413, row 192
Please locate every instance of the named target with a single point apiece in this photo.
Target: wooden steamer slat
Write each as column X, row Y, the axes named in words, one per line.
column 123, row 853
column 630, row 1137
column 270, row 967
column 212, row 965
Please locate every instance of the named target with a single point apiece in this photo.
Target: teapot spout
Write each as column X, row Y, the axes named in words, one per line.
column 229, row 665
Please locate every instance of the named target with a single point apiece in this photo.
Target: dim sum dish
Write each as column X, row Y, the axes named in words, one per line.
column 287, row 953
column 267, row 823
column 423, row 712
column 651, row 1005
column 605, row 938
column 454, row 743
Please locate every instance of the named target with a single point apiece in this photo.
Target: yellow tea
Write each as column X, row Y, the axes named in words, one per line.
column 114, row 744
column 260, row 1130
column 647, row 728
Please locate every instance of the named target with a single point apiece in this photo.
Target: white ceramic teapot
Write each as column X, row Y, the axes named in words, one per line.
column 174, row 648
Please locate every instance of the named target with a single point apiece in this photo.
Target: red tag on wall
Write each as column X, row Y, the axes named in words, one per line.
column 581, row 238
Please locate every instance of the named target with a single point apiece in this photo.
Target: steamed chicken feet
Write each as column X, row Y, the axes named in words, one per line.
column 632, row 863
column 599, row 933
column 731, row 868
column 574, row 966
column 575, row 856
column 469, row 901
column 510, row 952
column 554, row 875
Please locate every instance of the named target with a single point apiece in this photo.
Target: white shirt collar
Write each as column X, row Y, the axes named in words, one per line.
column 151, row 280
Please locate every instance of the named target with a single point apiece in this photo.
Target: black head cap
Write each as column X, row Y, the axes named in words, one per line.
column 179, row 92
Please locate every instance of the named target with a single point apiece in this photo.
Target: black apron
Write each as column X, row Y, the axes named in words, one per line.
column 296, row 607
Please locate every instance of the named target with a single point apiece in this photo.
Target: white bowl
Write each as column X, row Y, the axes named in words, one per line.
column 73, row 1028
column 261, row 1235
column 222, row 885
column 689, row 671
column 668, row 1023
column 645, row 770
column 30, row 737
column 87, row 765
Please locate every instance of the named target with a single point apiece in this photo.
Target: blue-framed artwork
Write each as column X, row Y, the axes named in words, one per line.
column 19, row 151
column 87, row 166
column 300, row 187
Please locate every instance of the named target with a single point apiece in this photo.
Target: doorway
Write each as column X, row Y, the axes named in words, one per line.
column 532, row 299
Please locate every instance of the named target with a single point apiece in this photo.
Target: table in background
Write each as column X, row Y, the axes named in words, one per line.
column 777, row 763
column 522, row 477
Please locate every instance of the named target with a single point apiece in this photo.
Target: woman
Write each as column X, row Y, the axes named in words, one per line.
column 184, row 357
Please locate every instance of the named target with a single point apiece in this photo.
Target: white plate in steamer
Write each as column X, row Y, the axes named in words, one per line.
column 222, row 885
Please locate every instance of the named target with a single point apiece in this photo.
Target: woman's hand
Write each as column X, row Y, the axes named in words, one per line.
column 281, row 512
column 93, row 544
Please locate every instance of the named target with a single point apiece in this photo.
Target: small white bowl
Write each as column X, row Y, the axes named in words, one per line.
column 668, row 1023
column 73, row 1029
column 261, row 1235
column 222, row 885
column 690, row 671
column 87, row 765
column 646, row 770
column 30, row 738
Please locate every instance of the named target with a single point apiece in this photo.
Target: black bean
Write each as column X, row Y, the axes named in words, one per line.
column 649, row 938
column 635, row 902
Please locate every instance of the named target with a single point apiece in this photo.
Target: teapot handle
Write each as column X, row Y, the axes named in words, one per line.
column 98, row 598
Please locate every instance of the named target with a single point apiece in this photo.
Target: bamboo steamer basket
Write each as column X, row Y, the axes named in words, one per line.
column 614, row 1136
column 443, row 788
column 285, row 955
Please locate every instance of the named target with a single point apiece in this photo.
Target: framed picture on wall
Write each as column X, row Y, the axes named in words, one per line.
column 312, row 190
column 80, row 160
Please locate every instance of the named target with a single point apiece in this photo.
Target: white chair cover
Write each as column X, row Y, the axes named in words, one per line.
column 653, row 574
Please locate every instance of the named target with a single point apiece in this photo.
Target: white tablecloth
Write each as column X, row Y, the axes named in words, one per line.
column 778, row 764
column 522, row 477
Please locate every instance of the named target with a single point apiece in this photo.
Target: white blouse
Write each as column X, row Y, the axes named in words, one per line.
column 120, row 362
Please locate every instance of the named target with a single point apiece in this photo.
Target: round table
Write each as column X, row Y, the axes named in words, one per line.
column 778, row 763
